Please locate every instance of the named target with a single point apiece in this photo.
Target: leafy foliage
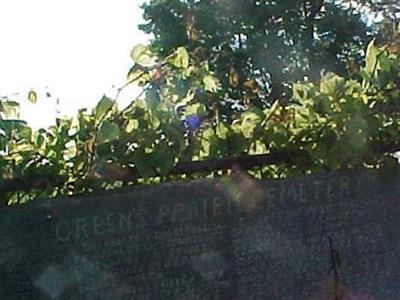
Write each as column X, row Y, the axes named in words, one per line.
column 334, row 122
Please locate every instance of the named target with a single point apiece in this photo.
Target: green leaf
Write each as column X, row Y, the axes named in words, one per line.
column 23, row 147
column 138, row 51
column 70, row 150
column 371, row 59
column 25, row 133
column 10, row 108
column 163, row 159
column 332, row 84
column 303, row 92
column 152, row 97
column 277, row 136
column 142, row 56
column 222, row 131
column 210, row 83
column 154, row 121
column 9, row 125
column 302, row 117
column 208, row 137
column 386, row 63
column 107, row 132
column 103, row 107
column 180, row 59
column 132, row 124
column 176, row 136
column 249, row 122
column 143, row 163
column 196, row 109
column 32, row 96
column 135, row 73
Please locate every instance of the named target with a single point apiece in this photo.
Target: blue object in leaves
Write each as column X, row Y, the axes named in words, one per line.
column 192, row 122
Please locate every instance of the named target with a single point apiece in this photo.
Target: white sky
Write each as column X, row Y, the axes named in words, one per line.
column 74, row 49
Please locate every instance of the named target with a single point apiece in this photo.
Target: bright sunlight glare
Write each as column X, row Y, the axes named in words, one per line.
column 70, row 52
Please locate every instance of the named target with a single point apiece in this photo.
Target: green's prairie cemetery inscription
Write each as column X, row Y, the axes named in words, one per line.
column 233, row 238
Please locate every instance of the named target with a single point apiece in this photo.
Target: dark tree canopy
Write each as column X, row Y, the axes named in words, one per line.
column 258, row 48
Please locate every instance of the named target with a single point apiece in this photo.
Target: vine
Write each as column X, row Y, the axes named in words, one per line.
column 174, row 129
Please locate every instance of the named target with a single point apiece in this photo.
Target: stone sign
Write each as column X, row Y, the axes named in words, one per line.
column 334, row 236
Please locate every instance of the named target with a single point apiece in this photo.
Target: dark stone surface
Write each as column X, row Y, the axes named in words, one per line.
column 228, row 239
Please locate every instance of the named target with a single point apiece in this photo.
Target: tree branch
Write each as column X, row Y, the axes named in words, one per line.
column 29, row 183
column 244, row 162
column 241, row 162
column 205, row 166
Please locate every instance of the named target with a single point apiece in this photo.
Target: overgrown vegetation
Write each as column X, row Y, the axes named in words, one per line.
column 345, row 120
